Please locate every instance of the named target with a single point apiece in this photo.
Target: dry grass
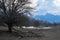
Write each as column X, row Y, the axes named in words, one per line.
column 51, row 34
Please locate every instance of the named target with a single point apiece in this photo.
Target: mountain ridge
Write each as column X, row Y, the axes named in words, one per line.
column 48, row 17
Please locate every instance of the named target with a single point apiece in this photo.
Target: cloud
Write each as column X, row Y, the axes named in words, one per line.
column 33, row 3
column 48, row 6
column 56, row 3
column 43, row 0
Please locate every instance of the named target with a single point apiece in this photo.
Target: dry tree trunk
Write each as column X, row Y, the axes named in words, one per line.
column 9, row 28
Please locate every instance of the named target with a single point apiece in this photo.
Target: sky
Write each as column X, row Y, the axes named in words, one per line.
column 47, row 6
column 44, row 7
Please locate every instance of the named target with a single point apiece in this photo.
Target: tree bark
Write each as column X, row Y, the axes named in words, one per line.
column 9, row 28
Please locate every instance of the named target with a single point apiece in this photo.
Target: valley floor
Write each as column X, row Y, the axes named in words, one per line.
column 51, row 34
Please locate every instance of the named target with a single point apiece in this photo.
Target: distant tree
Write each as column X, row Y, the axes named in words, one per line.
column 14, row 12
column 36, row 23
column 55, row 24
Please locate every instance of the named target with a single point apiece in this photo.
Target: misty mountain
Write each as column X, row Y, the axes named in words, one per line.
column 48, row 17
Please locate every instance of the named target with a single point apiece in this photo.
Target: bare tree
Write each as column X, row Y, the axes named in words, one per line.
column 14, row 11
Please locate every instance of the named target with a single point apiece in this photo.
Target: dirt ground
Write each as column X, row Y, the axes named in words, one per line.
column 51, row 34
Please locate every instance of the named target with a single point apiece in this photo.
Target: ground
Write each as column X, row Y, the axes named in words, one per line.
column 51, row 34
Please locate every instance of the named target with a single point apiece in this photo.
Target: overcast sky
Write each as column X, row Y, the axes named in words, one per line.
column 47, row 6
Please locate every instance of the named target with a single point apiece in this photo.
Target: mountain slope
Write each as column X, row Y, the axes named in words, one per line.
column 48, row 17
